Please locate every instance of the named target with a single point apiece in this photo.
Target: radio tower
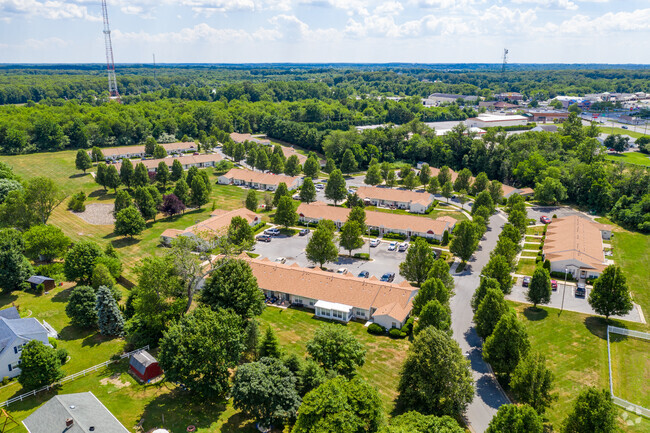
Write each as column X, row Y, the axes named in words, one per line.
column 110, row 64
column 505, row 61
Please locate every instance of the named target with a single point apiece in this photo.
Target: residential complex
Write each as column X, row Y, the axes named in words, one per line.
column 216, row 225
column 118, row 153
column 187, row 161
column 259, row 180
column 417, row 202
column 241, row 138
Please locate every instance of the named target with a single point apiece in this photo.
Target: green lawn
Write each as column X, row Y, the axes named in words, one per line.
column 535, row 230
column 384, row 355
column 575, row 347
column 632, row 253
column 636, row 158
column 630, row 132
column 531, row 245
column 433, row 214
column 525, row 266
column 631, row 368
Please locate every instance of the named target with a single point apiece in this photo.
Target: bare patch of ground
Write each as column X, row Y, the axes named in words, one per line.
column 115, row 381
column 98, row 214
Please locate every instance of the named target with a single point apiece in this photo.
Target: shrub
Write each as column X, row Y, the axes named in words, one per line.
column 77, row 202
column 5, row 380
column 554, row 215
column 52, row 270
column 397, row 236
column 376, row 329
column 396, row 333
column 362, row 256
column 62, row 354
column 40, row 288
column 560, row 276
column 374, row 232
column 408, row 326
column 52, row 342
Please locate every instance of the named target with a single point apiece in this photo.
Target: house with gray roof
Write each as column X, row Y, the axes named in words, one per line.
column 15, row 333
column 73, row 413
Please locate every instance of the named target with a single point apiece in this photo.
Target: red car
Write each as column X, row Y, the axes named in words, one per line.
column 545, row 220
column 553, row 284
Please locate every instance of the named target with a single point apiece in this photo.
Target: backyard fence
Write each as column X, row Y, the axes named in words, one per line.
column 631, row 407
column 71, row 377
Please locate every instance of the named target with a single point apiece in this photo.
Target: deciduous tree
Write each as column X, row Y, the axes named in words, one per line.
column 129, row 222
column 610, row 295
column 447, row 190
column 181, row 190
column 308, row 190
column 80, row 261
column 432, row 288
column 42, row 195
column 593, row 411
column 321, row 248
column 507, row 345
column 532, row 382
column 251, row 201
column 45, row 241
column 349, row 163
column 511, row 418
column 411, row 181
column 81, row 307
column 539, row 290
column 127, row 172
column 311, row 167
column 83, row 161
column 465, row 240
column 199, row 194
column 336, row 349
column 286, row 214
column 434, row 314
column 162, row 173
column 419, row 260
column 281, row 191
column 490, row 310
column 373, row 175
column 336, row 188
column 350, row 237
column 112, row 178
column 292, row 167
column 39, row 365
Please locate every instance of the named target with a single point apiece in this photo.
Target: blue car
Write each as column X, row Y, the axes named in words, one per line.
column 388, row 276
column 364, row 274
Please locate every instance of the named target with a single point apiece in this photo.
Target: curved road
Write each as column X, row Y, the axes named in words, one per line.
column 487, row 395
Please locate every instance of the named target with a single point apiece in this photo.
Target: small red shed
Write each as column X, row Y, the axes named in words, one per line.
column 145, row 366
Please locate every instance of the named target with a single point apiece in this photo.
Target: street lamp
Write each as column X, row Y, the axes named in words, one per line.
column 566, row 270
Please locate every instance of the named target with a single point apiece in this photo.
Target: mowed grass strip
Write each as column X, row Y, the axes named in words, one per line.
column 632, row 253
column 525, row 266
column 433, row 214
column 384, row 356
column 631, row 368
column 575, row 347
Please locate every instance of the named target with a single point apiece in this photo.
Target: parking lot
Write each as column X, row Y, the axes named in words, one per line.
column 535, row 212
column 293, row 249
column 571, row 301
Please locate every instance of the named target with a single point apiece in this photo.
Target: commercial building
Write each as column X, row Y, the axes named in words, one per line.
column 435, row 99
column 509, row 96
column 187, row 161
column 490, row 120
column 259, row 180
column 417, row 202
column 118, row 153
column 383, row 222
column 547, row 116
column 576, row 244
column 216, row 225
column 341, row 297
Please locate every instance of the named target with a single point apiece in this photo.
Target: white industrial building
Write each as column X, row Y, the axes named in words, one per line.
column 490, row 120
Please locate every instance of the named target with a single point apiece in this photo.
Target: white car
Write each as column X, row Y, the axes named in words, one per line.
column 342, row 271
column 375, row 242
column 272, row 232
column 281, row 260
column 320, row 186
column 403, row 247
column 392, row 246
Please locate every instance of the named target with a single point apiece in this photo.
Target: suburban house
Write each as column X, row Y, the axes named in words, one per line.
column 187, row 161
column 144, row 366
column 417, row 202
column 216, row 225
column 341, row 297
column 289, row 151
column 510, row 190
column 241, row 138
column 15, row 333
column 118, row 153
column 490, row 120
column 36, row 280
column 73, row 413
column 576, row 244
column 259, row 180
column 407, row 225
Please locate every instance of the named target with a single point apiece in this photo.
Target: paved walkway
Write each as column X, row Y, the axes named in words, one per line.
column 488, row 395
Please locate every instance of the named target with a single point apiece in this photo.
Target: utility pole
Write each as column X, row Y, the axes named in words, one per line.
column 154, row 66
column 110, row 63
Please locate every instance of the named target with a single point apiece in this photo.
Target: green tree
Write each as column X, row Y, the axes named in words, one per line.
column 321, row 248
column 127, row 172
column 150, row 145
column 262, row 161
column 415, row 422
column 330, row 166
column 311, row 167
column 511, row 232
column 499, row 269
column 292, row 167
column 480, row 184
column 251, row 201
column 14, row 267
column 101, row 277
column 200, row 349
column 485, row 284
column 162, row 173
column 191, row 174
column 270, row 345
column 240, row 232
column 145, row 203
column 199, row 194
column 496, row 191
column 359, row 215
column 46, row 242
column 610, row 295
column 266, row 391
column 432, row 288
column 140, row 176
column 483, row 199
column 96, row 154
column 181, row 190
column 129, row 222
column 593, row 411
column 83, row 161
column 308, row 190
column 532, row 382
column 434, row 186
column 511, row 418
column 444, row 175
column 425, row 174
column 277, row 164
column 233, row 286
column 411, row 181
column 112, row 178
column 39, row 365
column 447, row 190
column 489, row 311
column 285, row 214
column 122, row 201
column 507, row 345
column 349, row 163
column 444, row 390
column 159, row 152
column 518, row 219
column 373, row 175
column 465, row 240
column 550, row 191
column 81, row 307
column 177, row 171
column 539, row 290
column 109, row 317
column 419, row 260
column 391, row 179
column 339, row 405
column 506, row 248
column 336, row 349
column 80, row 261
column 350, row 237
column 434, row 314
column 336, row 187
column 100, row 176
column 463, row 180
column 440, row 270
column 281, row 191
column 42, row 195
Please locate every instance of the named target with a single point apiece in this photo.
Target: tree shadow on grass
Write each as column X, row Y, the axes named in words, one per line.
column 598, row 325
column 96, row 339
column 63, row 295
column 100, row 194
column 534, row 314
column 71, row 332
column 7, row 299
column 122, row 242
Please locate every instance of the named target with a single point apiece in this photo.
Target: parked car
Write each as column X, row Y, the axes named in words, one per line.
column 264, row 238
column 374, row 242
column 624, row 127
column 281, row 260
column 526, row 282
column 553, row 284
column 296, row 196
column 403, row 247
column 392, row 246
column 364, row 274
column 351, row 191
column 342, row 271
column 272, row 232
column 320, row 186
column 581, row 290
column 545, row 220
column 388, row 276
column 303, row 232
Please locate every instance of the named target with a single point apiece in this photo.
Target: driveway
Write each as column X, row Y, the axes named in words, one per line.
column 535, row 212
column 487, row 395
column 293, row 249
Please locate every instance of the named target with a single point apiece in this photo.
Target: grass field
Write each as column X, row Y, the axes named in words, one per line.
column 525, row 266
column 630, row 131
column 433, row 214
column 575, row 347
column 637, row 158
column 632, row 253
column 631, row 368
column 384, row 356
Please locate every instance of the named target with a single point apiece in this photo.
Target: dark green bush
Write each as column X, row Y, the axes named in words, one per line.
column 396, row 333
column 376, row 329
column 374, row 232
column 397, row 236
column 408, row 326
column 362, row 256
column 77, row 202
column 53, row 270
column 62, row 354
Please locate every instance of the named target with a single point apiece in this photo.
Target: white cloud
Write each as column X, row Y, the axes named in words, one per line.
column 389, row 8
column 39, row 44
column 637, row 20
column 446, row 4
column 294, row 29
column 199, row 33
column 51, row 10
column 551, row 4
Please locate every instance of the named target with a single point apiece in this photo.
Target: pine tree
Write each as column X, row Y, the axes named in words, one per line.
column 162, row 173
column 292, row 166
column 177, row 170
column 126, row 172
column 308, row 190
column 270, row 345
column 141, row 176
column 199, row 194
column 181, row 190
column 109, row 318
column 83, row 161
column 112, row 178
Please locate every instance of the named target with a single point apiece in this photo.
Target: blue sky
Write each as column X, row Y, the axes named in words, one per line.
column 237, row 31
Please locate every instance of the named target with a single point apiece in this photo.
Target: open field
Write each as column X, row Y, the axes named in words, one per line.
column 525, row 266
column 631, row 368
column 384, row 356
column 632, row 253
column 637, row 158
column 575, row 347
column 630, row 132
